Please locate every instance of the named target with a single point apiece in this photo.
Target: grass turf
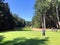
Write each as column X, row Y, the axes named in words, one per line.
column 29, row 38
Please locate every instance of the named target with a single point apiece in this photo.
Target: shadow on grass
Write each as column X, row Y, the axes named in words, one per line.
column 23, row 29
column 24, row 41
column 15, row 29
column 1, row 39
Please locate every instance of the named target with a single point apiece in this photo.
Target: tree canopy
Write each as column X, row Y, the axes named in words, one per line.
column 47, row 7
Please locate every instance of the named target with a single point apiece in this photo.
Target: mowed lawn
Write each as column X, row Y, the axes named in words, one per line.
column 29, row 38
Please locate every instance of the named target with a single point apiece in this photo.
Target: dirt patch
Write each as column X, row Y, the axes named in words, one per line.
column 38, row 29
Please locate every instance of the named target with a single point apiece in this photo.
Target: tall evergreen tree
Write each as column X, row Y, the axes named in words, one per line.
column 6, row 18
column 41, row 7
column 57, row 14
column 48, row 9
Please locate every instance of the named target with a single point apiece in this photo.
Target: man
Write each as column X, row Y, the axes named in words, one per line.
column 43, row 32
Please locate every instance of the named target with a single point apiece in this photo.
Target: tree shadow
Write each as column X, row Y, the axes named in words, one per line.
column 24, row 41
column 15, row 29
column 1, row 39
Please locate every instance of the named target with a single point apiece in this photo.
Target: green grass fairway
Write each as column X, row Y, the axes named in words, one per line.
column 29, row 38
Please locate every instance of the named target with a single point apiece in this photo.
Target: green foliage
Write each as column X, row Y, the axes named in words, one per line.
column 36, row 22
column 47, row 7
column 40, row 8
column 2, row 0
column 7, row 19
column 28, row 23
column 19, row 21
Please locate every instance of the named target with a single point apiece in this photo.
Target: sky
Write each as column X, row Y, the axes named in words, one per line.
column 23, row 8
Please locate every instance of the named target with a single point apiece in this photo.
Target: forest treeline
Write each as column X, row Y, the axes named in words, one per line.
column 9, row 20
column 48, row 8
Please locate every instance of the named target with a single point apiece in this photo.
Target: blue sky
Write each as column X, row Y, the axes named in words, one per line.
column 24, row 8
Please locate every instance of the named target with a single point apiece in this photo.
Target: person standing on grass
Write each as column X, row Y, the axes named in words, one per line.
column 43, row 32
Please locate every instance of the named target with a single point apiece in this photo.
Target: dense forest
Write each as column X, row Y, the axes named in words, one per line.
column 46, row 14
column 48, row 9
column 9, row 20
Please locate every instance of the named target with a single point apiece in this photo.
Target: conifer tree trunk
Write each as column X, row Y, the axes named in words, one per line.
column 43, row 22
column 57, row 14
column 43, row 18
